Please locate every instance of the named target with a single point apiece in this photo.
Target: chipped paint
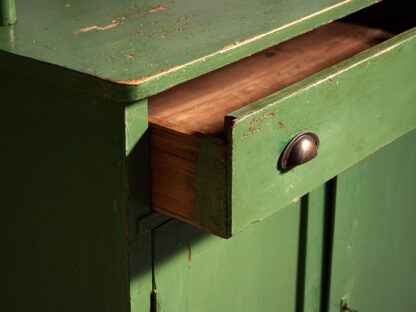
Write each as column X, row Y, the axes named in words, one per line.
column 251, row 131
column 157, row 9
column 95, row 27
column 129, row 56
column 295, row 200
column 232, row 46
column 326, row 78
column 189, row 252
column 289, row 187
column 254, row 222
column 145, row 79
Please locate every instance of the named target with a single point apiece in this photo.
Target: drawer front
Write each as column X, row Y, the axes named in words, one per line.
column 355, row 107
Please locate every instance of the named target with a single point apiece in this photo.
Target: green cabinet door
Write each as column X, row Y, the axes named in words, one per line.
column 373, row 262
column 253, row 271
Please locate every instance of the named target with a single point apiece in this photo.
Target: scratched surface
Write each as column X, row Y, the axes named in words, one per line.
column 134, row 42
column 355, row 107
column 374, row 240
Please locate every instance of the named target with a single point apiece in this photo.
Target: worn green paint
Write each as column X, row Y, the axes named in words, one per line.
column 73, row 173
column 76, row 166
column 210, row 205
column 7, row 12
column 254, row 271
column 56, row 38
column 138, row 204
column 355, row 107
column 62, row 205
column 374, row 240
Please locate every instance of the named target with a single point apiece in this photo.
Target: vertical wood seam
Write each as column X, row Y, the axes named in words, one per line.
column 302, row 249
column 330, row 196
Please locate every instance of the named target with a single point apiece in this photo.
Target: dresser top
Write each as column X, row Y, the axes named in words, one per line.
column 148, row 46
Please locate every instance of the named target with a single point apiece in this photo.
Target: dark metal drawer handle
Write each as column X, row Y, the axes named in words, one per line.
column 301, row 149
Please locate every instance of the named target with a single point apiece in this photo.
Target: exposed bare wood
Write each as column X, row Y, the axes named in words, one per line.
column 173, row 170
column 201, row 104
column 189, row 118
column 175, row 160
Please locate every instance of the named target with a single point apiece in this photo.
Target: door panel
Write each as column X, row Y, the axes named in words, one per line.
column 280, row 264
column 253, row 271
column 374, row 238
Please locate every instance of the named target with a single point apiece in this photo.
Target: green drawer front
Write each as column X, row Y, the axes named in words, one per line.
column 355, row 107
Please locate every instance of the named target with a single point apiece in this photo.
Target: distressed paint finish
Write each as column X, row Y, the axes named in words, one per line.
column 355, row 107
column 138, row 204
column 77, row 182
column 254, row 271
column 62, row 206
column 109, row 46
column 374, row 240
column 7, row 12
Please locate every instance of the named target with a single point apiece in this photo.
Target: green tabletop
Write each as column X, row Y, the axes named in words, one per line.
column 148, row 46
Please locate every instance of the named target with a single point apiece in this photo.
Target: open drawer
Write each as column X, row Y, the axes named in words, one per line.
column 215, row 141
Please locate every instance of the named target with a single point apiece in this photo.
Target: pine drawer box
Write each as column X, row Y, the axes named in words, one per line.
column 216, row 140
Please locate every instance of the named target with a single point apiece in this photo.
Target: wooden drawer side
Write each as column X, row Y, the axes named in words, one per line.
column 188, row 178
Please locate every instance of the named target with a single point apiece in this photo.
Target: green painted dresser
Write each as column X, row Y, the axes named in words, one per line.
column 143, row 156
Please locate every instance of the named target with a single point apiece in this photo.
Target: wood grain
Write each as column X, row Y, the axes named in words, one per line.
column 173, row 170
column 186, row 123
column 188, row 178
column 201, row 104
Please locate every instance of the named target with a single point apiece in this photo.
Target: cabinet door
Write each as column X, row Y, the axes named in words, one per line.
column 373, row 266
column 253, row 271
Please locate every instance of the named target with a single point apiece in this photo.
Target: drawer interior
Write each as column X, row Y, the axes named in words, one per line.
column 199, row 105
column 186, row 115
